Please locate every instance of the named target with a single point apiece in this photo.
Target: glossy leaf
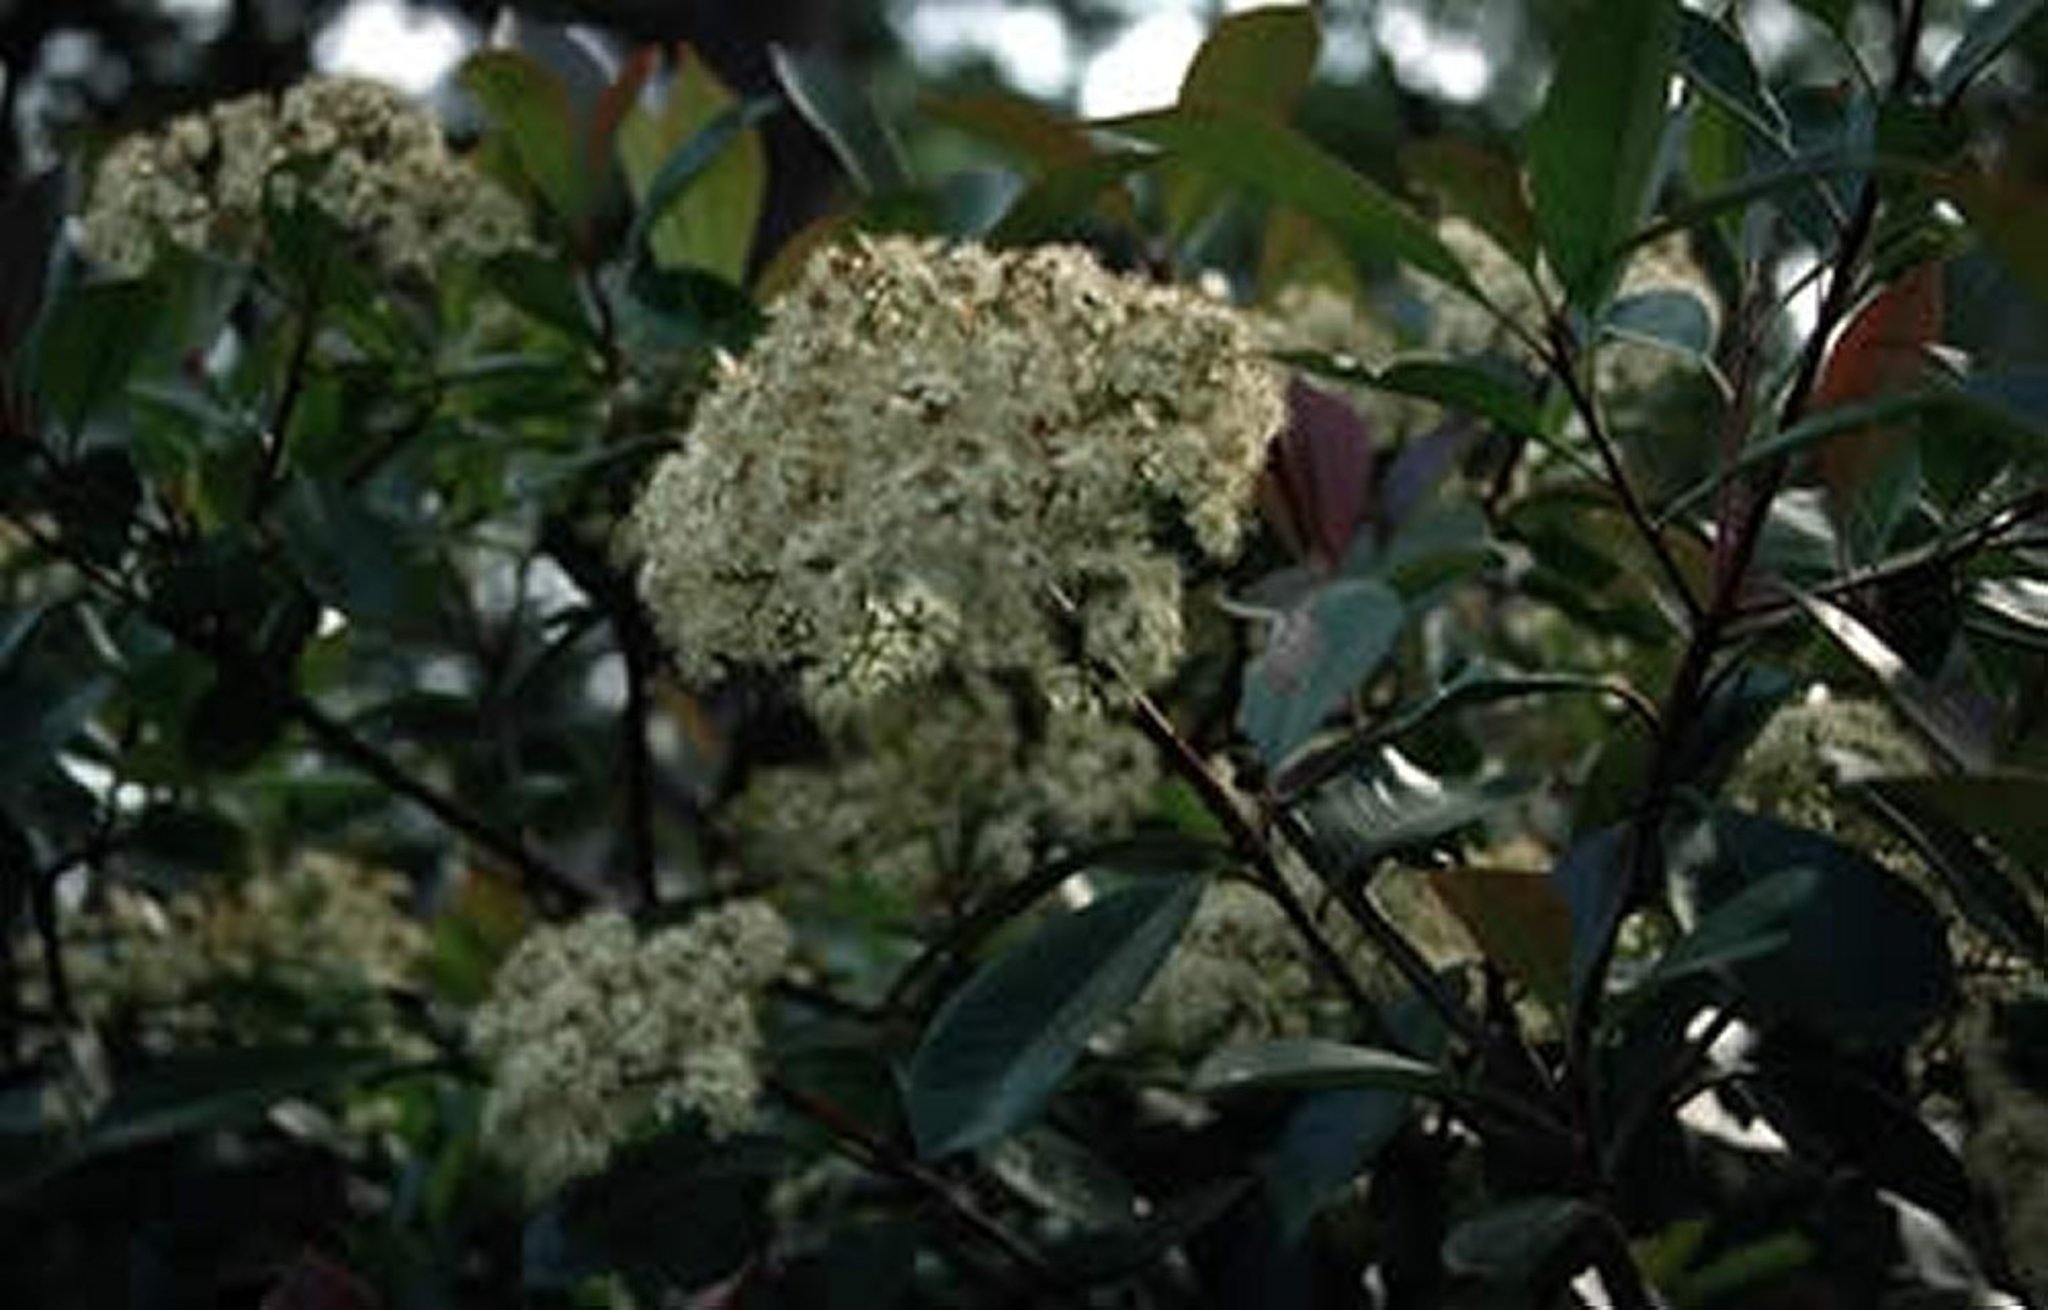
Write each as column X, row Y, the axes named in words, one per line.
column 1866, row 954
column 1593, row 145
column 1715, row 61
column 1328, row 1139
column 842, row 113
column 1006, row 1040
column 1516, row 1244
column 1287, row 168
column 1313, row 1064
column 530, row 107
column 699, row 170
column 1317, row 654
column 1387, row 805
column 1981, row 889
column 1882, row 351
column 1990, row 31
column 1956, row 728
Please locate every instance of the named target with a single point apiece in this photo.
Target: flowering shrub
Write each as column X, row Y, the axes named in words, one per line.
column 1219, row 733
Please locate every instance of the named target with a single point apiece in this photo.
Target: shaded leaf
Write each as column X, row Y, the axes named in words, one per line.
column 1312, row 1064
column 1990, row 31
column 1592, row 147
column 1518, row 1243
column 2009, row 809
column 2005, row 213
column 1985, row 895
column 198, row 1091
column 1319, row 471
column 1468, row 389
column 1717, row 63
column 1666, row 317
column 1327, row 1140
column 1286, row 167
column 1866, row 955
column 1387, row 806
column 1882, row 351
column 88, row 343
column 682, row 1208
column 1478, row 186
column 1749, row 924
column 1519, row 918
column 1950, row 725
column 1002, row 1043
column 842, row 114
column 352, row 558
column 1317, row 654
column 1590, row 875
column 530, row 107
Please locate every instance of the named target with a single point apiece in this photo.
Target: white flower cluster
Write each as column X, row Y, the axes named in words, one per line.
column 372, row 160
column 926, row 443
column 594, row 1033
column 310, row 951
column 942, row 794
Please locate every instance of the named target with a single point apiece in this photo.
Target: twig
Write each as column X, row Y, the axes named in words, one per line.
column 870, row 1149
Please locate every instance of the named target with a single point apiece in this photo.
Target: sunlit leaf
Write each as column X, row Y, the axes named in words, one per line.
column 699, row 170
column 530, row 107
column 1593, row 145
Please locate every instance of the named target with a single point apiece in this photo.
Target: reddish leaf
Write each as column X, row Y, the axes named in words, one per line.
column 1883, row 350
column 1519, row 918
column 1319, row 475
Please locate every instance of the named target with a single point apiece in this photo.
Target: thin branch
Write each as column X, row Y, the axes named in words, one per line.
column 871, row 1150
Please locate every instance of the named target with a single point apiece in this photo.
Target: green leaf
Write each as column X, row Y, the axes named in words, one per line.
column 1312, row 1064
column 2009, row 809
column 1388, row 805
column 86, row 346
column 1516, row 1244
column 682, row 1209
column 844, row 116
column 1717, row 64
column 1479, row 186
column 1593, row 145
column 1065, row 195
column 1665, row 317
column 1866, row 954
column 1747, row 925
column 1985, row 895
column 354, row 559
column 1000, row 1046
column 1949, row 724
column 1287, row 168
column 700, row 173
column 1468, row 388
column 1591, row 876
column 1989, row 33
column 544, row 289
column 1258, row 62
column 1328, row 1139
column 529, row 106
column 198, row 1091
column 1316, row 655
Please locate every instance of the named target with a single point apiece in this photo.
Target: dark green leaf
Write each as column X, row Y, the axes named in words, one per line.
column 1948, row 723
column 88, row 344
column 1468, row 388
column 544, row 289
column 1063, row 196
column 1517, row 1244
column 199, row 1091
column 1128, row 1249
column 1287, row 168
column 530, row 106
column 1593, row 145
column 686, row 309
column 1316, row 655
column 18, row 871
column 2009, row 809
column 1749, row 924
column 1311, row 1064
column 1991, row 30
column 1866, row 959
column 1983, row 892
column 1328, row 1139
column 240, row 716
column 352, row 558
column 1592, row 879
column 843, row 115
column 682, row 1209
column 1715, row 61
column 31, row 216
column 1001, row 1044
